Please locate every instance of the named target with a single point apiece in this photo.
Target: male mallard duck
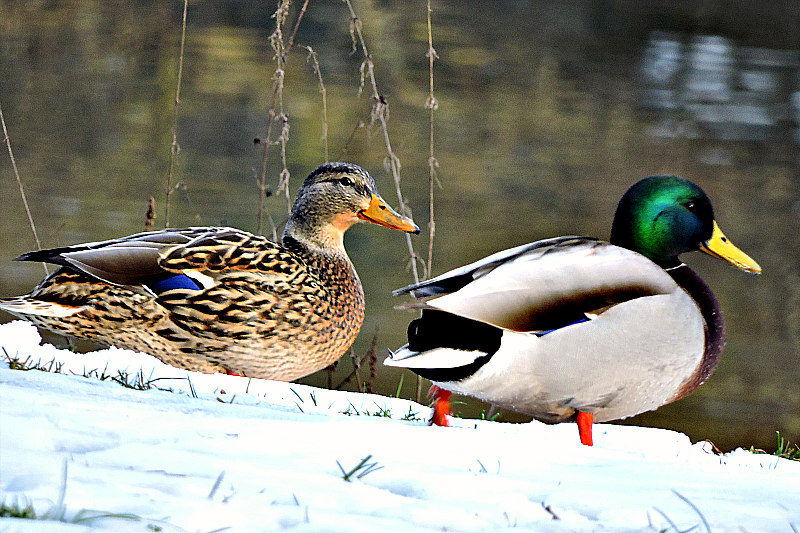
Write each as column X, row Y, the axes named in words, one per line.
column 574, row 328
column 220, row 298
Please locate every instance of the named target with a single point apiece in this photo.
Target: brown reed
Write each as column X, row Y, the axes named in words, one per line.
column 7, row 140
column 174, row 148
column 312, row 57
column 432, row 105
column 378, row 114
column 150, row 215
column 281, row 51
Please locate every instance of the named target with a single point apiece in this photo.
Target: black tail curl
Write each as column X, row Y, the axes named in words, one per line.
column 438, row 329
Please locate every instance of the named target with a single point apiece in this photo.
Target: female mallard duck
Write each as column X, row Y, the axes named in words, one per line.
column 573, row 328
column 213, row 299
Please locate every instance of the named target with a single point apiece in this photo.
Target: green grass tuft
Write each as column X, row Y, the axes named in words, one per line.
column 17, row 510
column 492, row 418
column 360, row 470
column 22, row 508
column 381, row 412
column 785, row 449
column 411, row 416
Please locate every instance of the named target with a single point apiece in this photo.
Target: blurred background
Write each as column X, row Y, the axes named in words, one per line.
column 548, row 112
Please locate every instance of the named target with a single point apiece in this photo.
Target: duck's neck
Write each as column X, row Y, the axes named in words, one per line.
column 701, row 293
column 315, row 236
column 335, row 271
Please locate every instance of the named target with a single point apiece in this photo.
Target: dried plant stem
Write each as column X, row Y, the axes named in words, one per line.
column 296, row 25
column 173, row 150
column 356, row 369
column 379, row 112
column 329, row 370
column 283, row 181
column 353, row 374
column 372, row 361
column 350, row 138
column 432, row 104
column 281, row 52
column 262, row 183
column 312, row 56
column 150, row 215
column 7, row 140
column 276, row 41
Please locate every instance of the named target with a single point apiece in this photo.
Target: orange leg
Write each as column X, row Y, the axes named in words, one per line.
column 441, row 407
column 585, row 427
column 232, row 373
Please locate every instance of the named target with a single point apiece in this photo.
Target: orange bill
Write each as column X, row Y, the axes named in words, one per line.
column 379, row 212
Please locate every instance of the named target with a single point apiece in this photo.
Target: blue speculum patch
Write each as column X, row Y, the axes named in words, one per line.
column 543, row 333
column 178, row 281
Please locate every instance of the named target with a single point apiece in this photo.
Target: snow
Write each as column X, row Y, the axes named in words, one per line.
column 221, row 452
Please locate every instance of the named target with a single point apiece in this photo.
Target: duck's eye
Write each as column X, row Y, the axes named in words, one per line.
column 347, row 182
column 691, row 206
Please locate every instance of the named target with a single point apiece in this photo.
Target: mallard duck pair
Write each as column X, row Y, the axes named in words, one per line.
column 570, row 328
column 574, row 328
column 222, row 299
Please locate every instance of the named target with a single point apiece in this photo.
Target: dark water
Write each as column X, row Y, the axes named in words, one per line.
column 548, row 111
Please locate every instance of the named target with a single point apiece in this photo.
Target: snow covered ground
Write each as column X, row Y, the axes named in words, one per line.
column 229, row 453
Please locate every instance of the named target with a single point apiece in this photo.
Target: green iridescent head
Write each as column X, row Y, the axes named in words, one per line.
column 662, row 217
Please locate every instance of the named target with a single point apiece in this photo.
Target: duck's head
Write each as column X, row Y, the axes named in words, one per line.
column 662, row 217
column 334, row 197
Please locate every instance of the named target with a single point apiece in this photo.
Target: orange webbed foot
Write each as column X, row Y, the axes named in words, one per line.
column 585, row 427
column 441, row 406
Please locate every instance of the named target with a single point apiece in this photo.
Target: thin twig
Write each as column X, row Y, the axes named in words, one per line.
column 432, row 104
column 263, row 194
column 296, row 25
column 7, row 139
column 372, row 360
column 329, row 370
column 150, row 215
column 353, row 374
column 262, row 184
column 379, row 113
column 312, row 56
column 283, row 179
column 173, row 149
column 352, row 136
column 356, row 368
column 278, row 45
column 281, row 52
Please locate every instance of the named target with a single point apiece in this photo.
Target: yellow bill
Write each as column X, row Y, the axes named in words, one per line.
column 379, row 212
column 719, row 246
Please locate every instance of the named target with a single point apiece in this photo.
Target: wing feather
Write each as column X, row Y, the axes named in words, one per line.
column 457, row 278
column 548, row 287
column 137, row 260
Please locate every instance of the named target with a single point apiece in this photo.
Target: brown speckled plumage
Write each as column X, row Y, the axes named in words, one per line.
column 243, row 304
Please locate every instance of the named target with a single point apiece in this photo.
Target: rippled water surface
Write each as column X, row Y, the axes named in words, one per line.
column 547, row 112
